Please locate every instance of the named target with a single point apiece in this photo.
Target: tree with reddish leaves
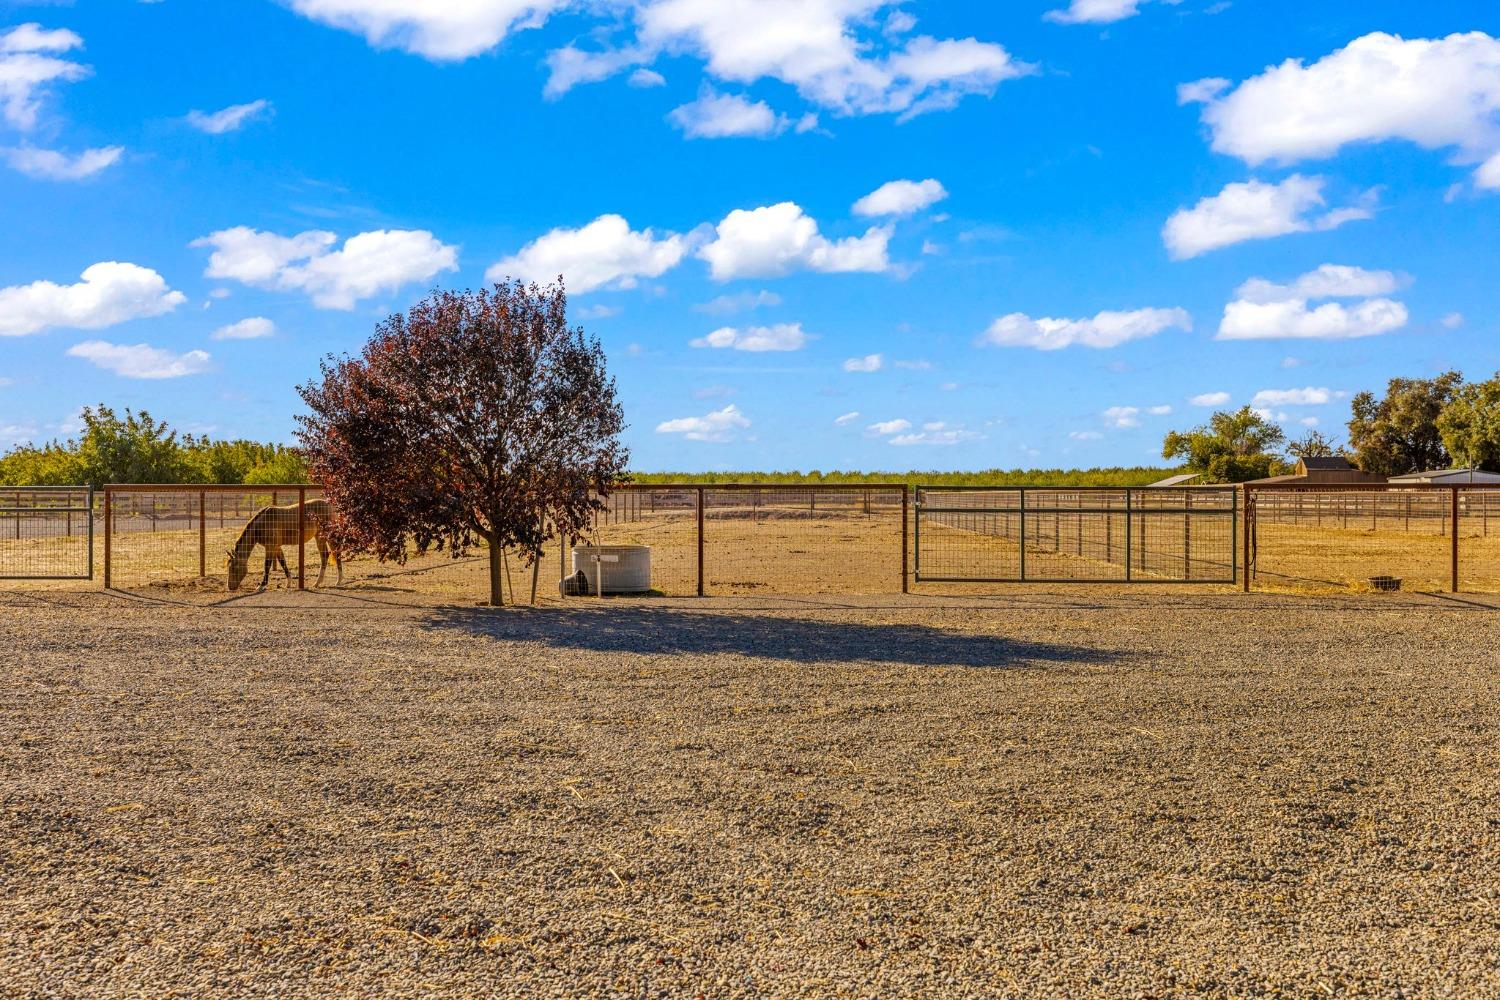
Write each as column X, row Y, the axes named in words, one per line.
column 475, row 416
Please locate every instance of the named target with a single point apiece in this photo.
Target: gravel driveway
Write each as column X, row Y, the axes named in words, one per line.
column 1040, row 794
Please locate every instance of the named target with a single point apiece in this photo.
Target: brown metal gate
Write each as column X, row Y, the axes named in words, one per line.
column 46, row 533
column 1031, row 534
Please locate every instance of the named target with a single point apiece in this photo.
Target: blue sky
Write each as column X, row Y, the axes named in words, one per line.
column 811, row 234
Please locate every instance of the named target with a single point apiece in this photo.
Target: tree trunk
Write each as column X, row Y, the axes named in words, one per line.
column 497, row 593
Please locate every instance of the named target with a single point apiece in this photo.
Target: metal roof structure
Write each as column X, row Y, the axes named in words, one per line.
column 1448, row 477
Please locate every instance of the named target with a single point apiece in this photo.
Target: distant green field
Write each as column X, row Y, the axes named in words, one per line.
column 1135, row 476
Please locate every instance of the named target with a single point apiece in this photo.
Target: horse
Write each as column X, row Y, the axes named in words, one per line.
column 273, row 527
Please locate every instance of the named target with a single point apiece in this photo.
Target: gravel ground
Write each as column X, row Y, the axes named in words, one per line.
column 1039, row 794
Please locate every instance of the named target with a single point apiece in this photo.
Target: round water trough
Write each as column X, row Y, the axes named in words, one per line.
column 614, row 569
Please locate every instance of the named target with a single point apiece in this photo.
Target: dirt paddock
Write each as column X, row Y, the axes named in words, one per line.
column 1040, row 792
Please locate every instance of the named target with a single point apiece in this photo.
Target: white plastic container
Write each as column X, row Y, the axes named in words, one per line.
column 614, row 569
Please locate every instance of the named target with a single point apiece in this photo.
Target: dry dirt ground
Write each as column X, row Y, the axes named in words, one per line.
column 1039, row 793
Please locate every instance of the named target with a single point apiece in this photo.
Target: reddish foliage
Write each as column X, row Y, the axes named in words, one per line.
column 477, row 415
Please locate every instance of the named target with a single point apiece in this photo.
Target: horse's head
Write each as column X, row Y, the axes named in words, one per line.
column 236, row 567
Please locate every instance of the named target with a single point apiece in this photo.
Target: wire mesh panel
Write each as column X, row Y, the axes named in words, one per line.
column 662, row 517
column 46, row 533
column 803, row 540
column 1031, row 534
column 1479, row 539
column 200, row 539
column 1317, row 539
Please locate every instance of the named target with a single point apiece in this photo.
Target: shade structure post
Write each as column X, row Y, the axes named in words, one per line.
column 1453, row 539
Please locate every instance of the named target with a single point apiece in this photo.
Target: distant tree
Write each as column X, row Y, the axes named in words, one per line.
column 135, row 448
column 1316, row 444
column 477, row 415
column 1470, row 425
column 1399, row 433
column 1231, row 448
column 48, row 465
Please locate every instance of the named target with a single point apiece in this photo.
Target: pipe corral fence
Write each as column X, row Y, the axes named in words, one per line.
column 1429, row 537
column 877, row 538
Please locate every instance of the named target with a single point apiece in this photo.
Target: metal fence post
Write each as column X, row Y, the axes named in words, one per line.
column 1023, row 533
column 701, row 589
column 202, row 533
column 1454, row 539
column 109, row 524
column 1245, row 531
column 905, row 520
column 1129, row 530
column 91, row 531
column 302, row 540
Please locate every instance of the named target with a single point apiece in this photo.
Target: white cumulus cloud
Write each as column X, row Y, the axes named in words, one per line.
column 109, row 292
column 140, row 361
column 438, row 30
column 847, row 418
column 781, row 337
column 229, row 119
column 890, row 427
column 1295, row 320
column 1439, row 93
column 29, row 65
column 740, row 302
column 868, row 363
column 724, row 116
column 1266, row 310
column 777, row 239
column 1329, row 281
column 901, row 198
column 1210, row 399
column 604, row 253
column 1310, row 396
column 936, row 433
column 1094, row 12
column 369, row 264
column 1107, row 329
column 253, row 328
column 719, row 426
column 1255, row 210
column 52, row 165
column 833, row 52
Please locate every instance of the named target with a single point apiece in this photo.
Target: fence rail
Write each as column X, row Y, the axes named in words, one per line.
column 46, row 533
column 847, row 538
column 1432, row 537
column 1076, row 534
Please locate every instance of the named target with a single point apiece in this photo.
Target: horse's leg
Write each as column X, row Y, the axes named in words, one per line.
column 322, row 560
column 338, row 561
column 285, row 569
column 266, row 577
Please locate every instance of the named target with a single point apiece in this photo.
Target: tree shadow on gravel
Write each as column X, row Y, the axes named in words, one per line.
column 668, row 630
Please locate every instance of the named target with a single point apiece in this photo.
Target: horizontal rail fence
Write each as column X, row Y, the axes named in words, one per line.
column 1430, row 538
column 46, row 533
column 180, row 537
column 746, row 539
column 1076, row 535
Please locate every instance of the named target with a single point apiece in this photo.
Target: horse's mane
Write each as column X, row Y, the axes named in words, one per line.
column 249, row 536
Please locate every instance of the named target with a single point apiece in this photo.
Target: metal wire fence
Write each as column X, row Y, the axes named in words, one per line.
column 1099, row 535
column 46, row 533
column 1429, row 538
column 704, row 540
column 764, row 539
column 857, row 539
